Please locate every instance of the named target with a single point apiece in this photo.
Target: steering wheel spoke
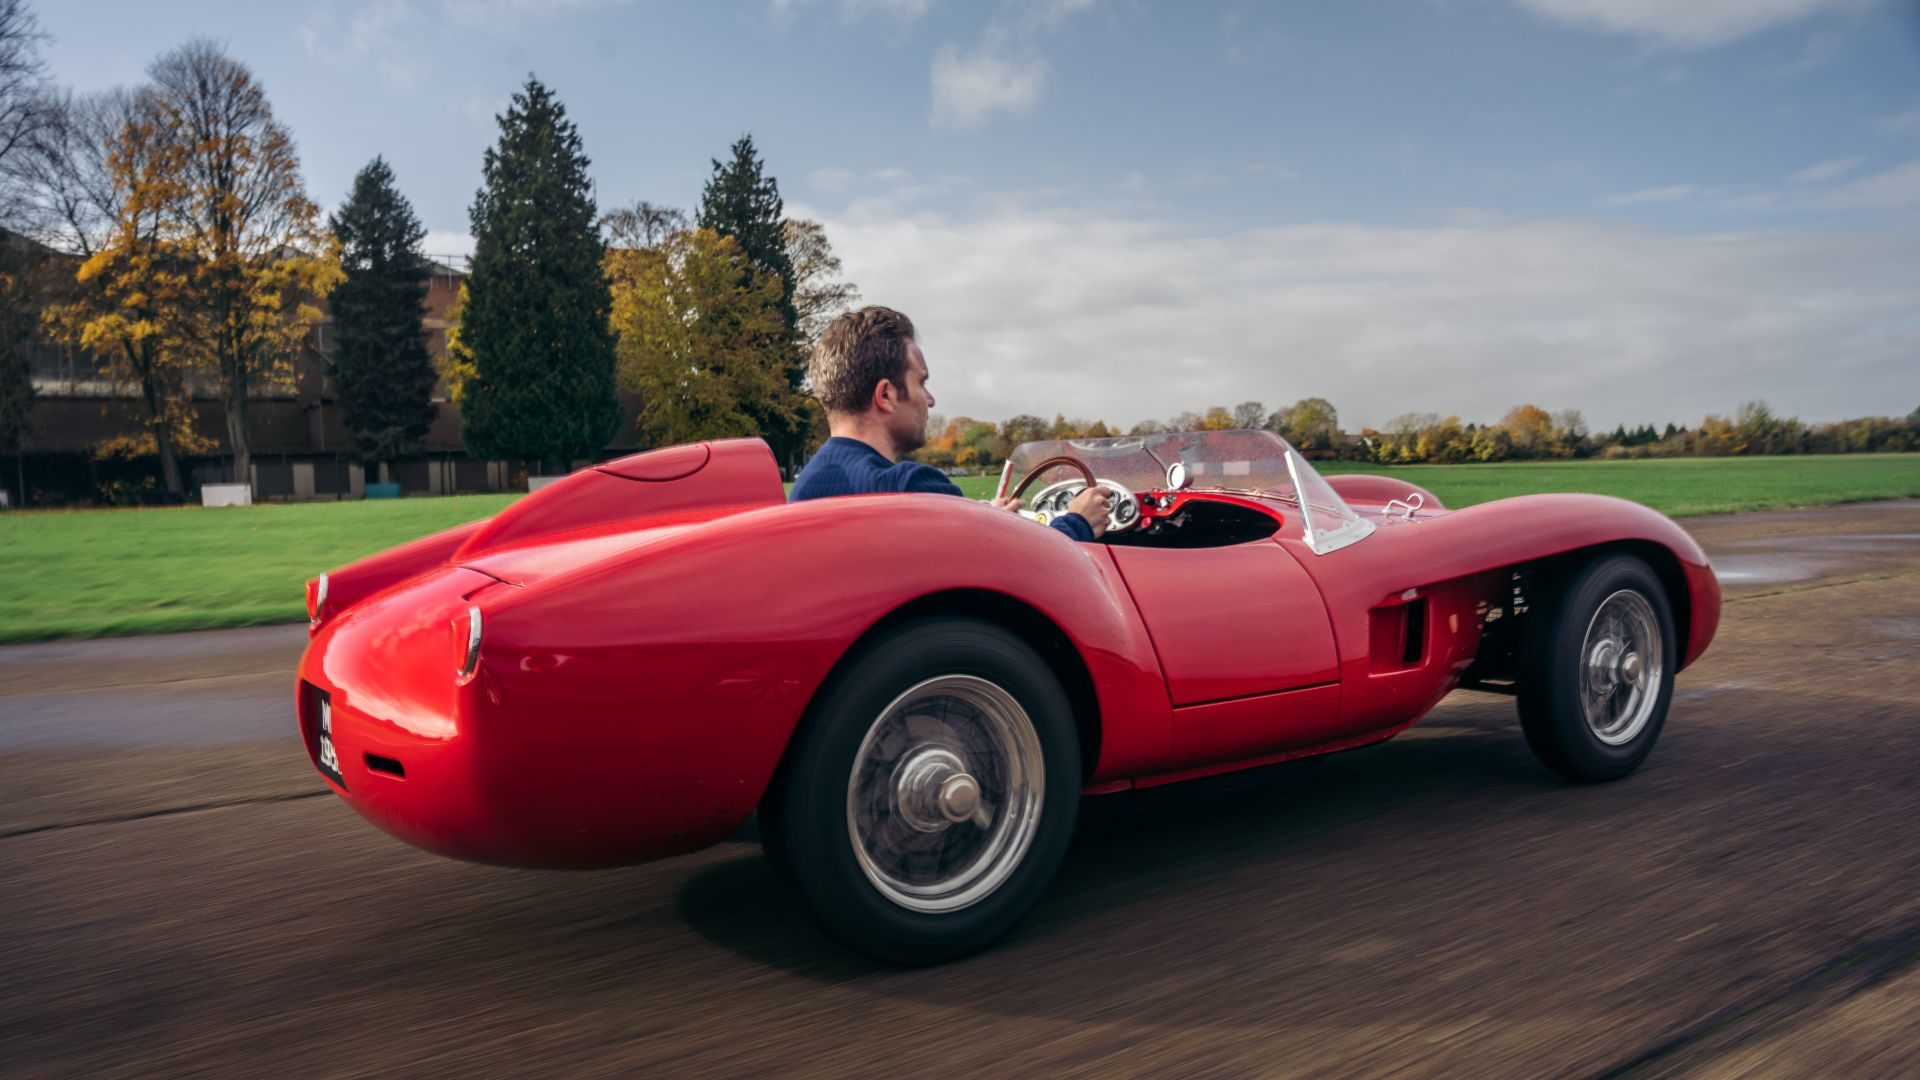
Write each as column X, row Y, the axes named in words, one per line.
column 1055, row 498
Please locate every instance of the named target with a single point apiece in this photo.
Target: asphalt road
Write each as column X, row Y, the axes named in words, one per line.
column 177, row 895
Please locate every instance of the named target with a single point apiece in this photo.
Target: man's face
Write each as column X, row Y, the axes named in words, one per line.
column 912, row 402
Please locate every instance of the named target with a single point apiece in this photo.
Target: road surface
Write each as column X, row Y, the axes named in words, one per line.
column 178, row 896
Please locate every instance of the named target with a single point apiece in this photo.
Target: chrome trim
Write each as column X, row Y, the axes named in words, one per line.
column 473, row 642
column 1620, row 668
column 1123, row 500
column 319, row 602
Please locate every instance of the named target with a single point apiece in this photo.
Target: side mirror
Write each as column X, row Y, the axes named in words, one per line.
column 1177, row 478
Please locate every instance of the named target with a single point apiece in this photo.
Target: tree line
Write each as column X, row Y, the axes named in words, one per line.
column 189, row 258
column 1525, row 433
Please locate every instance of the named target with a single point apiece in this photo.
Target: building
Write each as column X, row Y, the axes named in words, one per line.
column 298, row 439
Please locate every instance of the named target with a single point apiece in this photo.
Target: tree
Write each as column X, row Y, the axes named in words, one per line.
column 1249, row 415
column 694, row 320
column 742, row 203
column 541, row 384
column 17, row 311
column 819, row 295
column 101, row 182
column 25, row 106
column 643, row 224
column 1023, row 429
column 1309, row 424
column 382, row 372
column 1530, row 429
column 253, row 261
column 1569, row 433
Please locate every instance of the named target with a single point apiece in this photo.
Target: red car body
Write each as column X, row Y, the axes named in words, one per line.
column 654, row 629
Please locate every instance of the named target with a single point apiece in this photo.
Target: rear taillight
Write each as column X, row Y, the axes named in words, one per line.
column 465, row 638
column 316, row 600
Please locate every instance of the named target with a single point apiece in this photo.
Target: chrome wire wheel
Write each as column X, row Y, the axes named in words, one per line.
column 945, row 794
column 1621, row 667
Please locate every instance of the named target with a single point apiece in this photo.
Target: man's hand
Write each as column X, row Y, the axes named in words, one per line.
column 1011, row 504
column 1095, row 505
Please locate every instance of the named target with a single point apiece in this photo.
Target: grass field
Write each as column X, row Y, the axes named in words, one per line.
column 93, row 573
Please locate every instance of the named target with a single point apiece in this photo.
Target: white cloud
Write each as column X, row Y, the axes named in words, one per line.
column 446, row 243
column 854, row 10
column 1030, row 308
column 1811, row 190
column 1825, row 171
column 1670, row 193
column 379, row 33
column 969, row 87
column 898, row 9
column 1906, row 123
column 1895, row 188
column 1691, row 24
column 1003, row 72
column 506, row 14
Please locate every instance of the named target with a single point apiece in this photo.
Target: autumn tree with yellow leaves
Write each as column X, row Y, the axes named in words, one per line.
column 699, row 337
column 245, row 260
column 94, row 181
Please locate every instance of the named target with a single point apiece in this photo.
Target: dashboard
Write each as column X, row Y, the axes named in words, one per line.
column 1054, row 499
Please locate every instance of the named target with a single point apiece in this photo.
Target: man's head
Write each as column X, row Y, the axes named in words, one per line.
column 870, row 374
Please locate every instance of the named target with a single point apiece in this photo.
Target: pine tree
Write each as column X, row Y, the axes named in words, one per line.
column 742, row 203
column 382, row 373
column 541, row 388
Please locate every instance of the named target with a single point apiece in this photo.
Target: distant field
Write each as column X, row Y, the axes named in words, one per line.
column 1678, row 487
column 94, row 573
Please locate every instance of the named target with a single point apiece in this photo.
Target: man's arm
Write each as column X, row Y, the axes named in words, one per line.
column 925, row 479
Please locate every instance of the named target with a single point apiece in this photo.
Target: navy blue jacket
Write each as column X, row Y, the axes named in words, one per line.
column 851, row 467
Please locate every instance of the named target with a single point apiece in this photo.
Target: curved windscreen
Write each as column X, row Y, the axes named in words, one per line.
column 1250, row 461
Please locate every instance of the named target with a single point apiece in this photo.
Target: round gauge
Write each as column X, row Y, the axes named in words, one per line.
column 1056, row 499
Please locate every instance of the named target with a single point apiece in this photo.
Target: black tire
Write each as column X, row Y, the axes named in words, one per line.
column 1551, row 708
column 805, row 817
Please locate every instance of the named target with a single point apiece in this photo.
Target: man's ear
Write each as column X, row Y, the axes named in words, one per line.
column 885, row 395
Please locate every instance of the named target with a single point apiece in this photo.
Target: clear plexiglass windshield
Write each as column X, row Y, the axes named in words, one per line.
column 1254, row 462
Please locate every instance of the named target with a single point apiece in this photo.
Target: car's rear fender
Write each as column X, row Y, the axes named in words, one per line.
column 669, row 680
column 355, row 582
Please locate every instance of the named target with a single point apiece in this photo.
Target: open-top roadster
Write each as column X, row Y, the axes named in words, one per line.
column 915, row 691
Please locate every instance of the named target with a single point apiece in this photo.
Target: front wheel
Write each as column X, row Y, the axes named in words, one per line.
column 931, row 793
column 1596, row 683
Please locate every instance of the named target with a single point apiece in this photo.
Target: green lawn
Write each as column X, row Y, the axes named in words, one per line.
column 92, row 573
column 1677, row 487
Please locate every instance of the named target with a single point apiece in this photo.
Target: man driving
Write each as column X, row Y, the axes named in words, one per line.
column 871, row 376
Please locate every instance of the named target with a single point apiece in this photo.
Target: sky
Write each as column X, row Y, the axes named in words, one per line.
column 1125, row 209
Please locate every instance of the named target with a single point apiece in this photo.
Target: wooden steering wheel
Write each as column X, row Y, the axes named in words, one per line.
column 1125, row 509
column 1034, row 473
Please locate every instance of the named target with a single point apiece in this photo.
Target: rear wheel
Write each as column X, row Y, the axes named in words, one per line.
column 1597, row 681
column 931, row 793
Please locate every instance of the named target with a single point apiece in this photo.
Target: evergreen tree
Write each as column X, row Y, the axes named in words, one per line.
column 382, row 373
column 541, row 386
column 742, row 203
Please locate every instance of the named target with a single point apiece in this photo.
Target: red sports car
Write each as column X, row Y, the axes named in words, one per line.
column 915, row 691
